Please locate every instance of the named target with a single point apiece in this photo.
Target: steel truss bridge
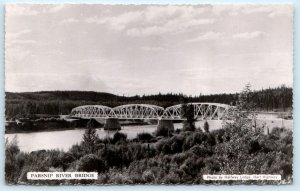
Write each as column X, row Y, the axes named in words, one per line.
column 202, row 111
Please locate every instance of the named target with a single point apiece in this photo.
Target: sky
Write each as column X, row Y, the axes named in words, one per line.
column 147, row 49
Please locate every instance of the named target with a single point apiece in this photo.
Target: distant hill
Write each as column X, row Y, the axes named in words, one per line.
column 61, row 96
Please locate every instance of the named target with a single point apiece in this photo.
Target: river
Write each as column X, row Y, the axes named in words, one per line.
column 66, row 138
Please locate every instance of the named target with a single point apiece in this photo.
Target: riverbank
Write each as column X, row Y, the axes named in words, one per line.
column 46, row 124
column 58, row 124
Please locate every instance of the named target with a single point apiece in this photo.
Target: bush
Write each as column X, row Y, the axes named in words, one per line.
column 119, row 137
column 201, row 151
column 165, row 128
column 144, row 137
column 254, row 146
column 91, row 163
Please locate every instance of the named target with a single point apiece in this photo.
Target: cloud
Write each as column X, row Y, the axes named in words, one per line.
column 118, row 22
column 231, row 10
column 153, row 49
column 250, row 35
column 23, row 41
column 171, row 27
column 32, row 81
column 155, row 20
column 13, row 42
column 11, row 36
column 18, row 10
column 69, row 20
column 31, row 9
column 207, row 36
column 56, row 8
column 269, row 10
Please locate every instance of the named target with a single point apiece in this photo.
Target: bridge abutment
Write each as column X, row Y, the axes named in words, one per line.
column 164, row 127
column 112, row 124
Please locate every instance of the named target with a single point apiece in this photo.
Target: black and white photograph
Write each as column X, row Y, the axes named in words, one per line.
column 173, row 94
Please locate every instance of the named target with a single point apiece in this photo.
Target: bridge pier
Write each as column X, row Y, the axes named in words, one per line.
column 164, row 127
column 112, row 124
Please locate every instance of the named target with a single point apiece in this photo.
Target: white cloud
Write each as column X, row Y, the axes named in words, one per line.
column 153, row 49
column 17, row 10
column 23, row 41
column 270, row 11
column 55, row 8
column 171, row 27
column 12, row 36
column 231, row 10
column 12, row 43
column 207, row 36
column 33, row 81
column 118, row 22
column 31, row 9
column 69, row 20
column 155, row 20
column 250, row 35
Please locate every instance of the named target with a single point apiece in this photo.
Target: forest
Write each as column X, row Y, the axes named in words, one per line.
column 28, row 104
column 167, row 156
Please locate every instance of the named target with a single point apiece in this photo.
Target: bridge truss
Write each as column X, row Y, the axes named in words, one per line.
column 138, row 111
column 202, row 111
column 92, row 111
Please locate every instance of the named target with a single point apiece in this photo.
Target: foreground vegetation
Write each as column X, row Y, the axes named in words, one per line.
column 169, row 157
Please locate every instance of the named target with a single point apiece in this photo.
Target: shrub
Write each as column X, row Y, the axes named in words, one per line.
column 201, row 151
column 165, row 128
column 119, row 137
column 77, row 151
column 211, row 140
column 91, row 163
column 254, row 146
column 144, row 136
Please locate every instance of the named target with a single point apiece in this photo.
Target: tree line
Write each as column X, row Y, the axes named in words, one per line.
column 27, row 104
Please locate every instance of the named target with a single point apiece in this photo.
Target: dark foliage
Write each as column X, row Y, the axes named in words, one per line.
column 119, row 137
column 165, row 128
column 91, row 163
column 144, row 137
column 206, row 127
column 188, row 114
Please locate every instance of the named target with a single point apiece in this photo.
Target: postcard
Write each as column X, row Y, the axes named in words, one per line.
column 103, row 94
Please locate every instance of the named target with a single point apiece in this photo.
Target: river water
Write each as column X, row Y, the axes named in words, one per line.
column 66, row 138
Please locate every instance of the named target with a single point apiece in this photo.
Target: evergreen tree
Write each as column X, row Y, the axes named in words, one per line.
column 206, row 127
column 188, row 114
column 90, row 138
